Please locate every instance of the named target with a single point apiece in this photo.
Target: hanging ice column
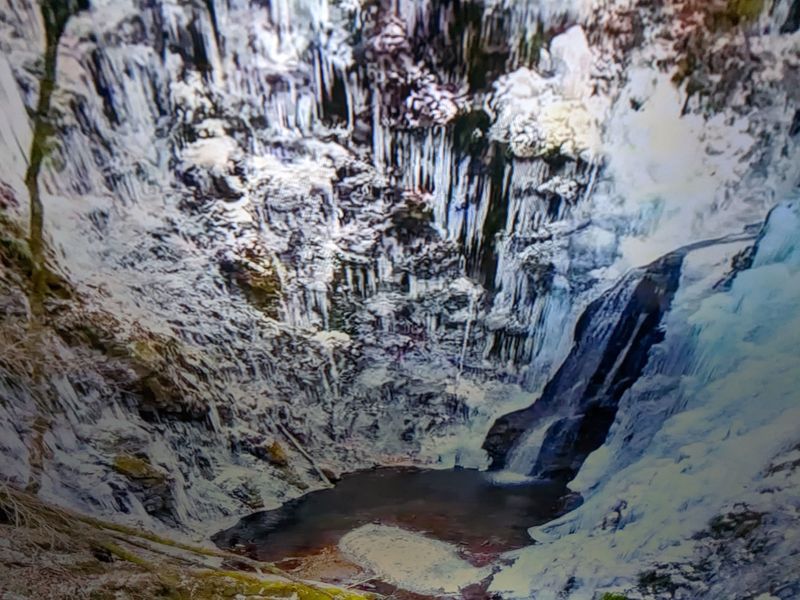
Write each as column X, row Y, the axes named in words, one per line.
column 550, row 121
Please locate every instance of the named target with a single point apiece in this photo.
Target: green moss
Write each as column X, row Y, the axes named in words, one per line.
column 122, row 554
column 137, row 468
column 226, row 584
column 147, row 352
column 736, row 13
column 169, row 582
column 342, row 302
column 745, row 10
column 157, row 574
column 151, row 537
column 41, row 425
column 151, row 353
column 89, row 334
column 161, row 391
column 160, row 363
column 613, row 596
column 103, row 595
column 17, row 256
column 89, row 568
column 15, row 253
column 261, row 286
column 718, row 19
column 55, row 14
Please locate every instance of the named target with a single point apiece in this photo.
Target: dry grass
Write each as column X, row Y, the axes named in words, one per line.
column 49, row 552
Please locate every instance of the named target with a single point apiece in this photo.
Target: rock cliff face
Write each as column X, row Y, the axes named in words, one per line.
column 248, row 245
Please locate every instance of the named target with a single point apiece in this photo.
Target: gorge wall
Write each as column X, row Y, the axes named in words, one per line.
column 284, row 240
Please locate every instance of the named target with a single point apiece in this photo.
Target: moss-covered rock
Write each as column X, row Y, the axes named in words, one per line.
column 740, row 12
column 15, row 253
column 162, row 396
column 149, row 353
column 158, row 371
column 709, row 71
column 276, row 455
column 150, row 485
column 412, row 218
column 257, row 278
column 165, row 382
column 17, row 259
column 137, row 469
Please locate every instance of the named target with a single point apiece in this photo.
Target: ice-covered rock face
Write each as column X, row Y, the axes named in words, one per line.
column 555, row 112
column 353, row 233
column 704, row 439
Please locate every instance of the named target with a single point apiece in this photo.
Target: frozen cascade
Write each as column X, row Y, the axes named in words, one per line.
column 579, row 403
column 612, row 341
column 719, row 390
column 345, row 225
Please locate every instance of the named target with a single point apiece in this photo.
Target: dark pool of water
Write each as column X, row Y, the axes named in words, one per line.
column 461, row 506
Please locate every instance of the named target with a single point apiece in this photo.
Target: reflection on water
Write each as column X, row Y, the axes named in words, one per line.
column 463, row 507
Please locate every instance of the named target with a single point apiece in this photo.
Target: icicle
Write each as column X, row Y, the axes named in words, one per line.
column 465, row 342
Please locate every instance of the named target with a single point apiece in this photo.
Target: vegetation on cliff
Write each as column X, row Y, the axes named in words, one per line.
column 49, row 552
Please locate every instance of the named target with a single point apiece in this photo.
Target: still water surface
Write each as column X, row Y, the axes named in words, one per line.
column 462, row 506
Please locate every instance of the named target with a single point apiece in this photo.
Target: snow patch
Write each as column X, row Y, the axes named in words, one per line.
column 673, row 168
column 411, row 561
column 538, row 113
column 15, row 132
